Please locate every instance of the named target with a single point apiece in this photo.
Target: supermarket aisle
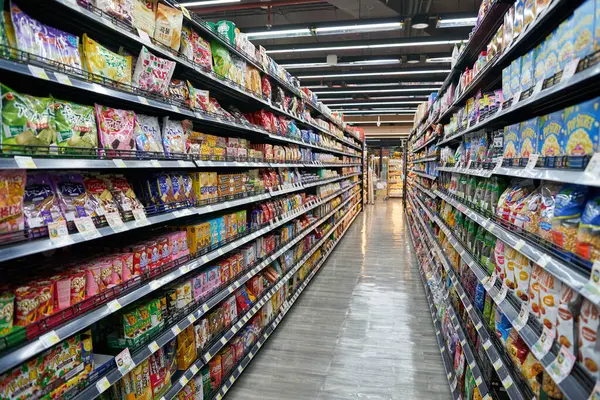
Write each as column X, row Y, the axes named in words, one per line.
column 360, row 330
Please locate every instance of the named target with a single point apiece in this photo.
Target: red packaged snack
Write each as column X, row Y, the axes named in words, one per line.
column 164, row 248
column 45, row 291
column 140, row 258
column 123, row 194
column 263, row 119
column 227, row 360
column 225, row 271
column 78, row 284
column 26, row 305
column 214, row 366
column 99, row 196
column 153, row 254
column 266, row 87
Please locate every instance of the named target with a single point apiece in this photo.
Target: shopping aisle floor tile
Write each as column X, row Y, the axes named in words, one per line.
column 360, row 330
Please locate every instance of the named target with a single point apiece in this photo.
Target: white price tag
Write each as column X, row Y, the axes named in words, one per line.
column 593, row 167
column 145, row 38
column 487, row 344
column 155, row 163
column 63, row 79
column 25, row 162
column 191, row 318
column 102, row 385
column 570, row 70
column 114, row 305
column 522, row 318
column 119, row 163
column 516, row 97
column 115, row 222
column 562, row 365
column 85, row 226
column 544, row 343
column 183, row 380
column 519, row 245
column 176, row 330
column 497, row 364
column 38, row 72
column 153, row 347
column 489, row 283
column 538, row 87
column 49, row 339
column 175, row 108
column 59, row 234
column 124, row 362
column 507, row 382
column 591, row 289
column 532, row 161
column 544, row 260
column 140, row 217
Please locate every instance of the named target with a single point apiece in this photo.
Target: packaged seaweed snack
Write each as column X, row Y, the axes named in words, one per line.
column 122, row 193
column 12, row 189
column 98, row 60
column 121, row 9
column 144, row 15
column 27, row 120
column 40, row 203
column 168, row 26
column 569, row 206
column 147, row 134
column 173, row 137
column 44, row 41
column 221, row 59
column 115, row 128
column 75, row 125
column 588, row 235
column 153, row 74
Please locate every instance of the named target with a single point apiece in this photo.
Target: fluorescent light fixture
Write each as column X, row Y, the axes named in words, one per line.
column 456, row 22
column 381, row 103
column 207, row 3
column 366, row 46
column 274, row 34
column 331, row 30
column 374, row 98
column 439, row 60
column 349, row 85
column 382, row 111
column 346, row 64
column 383, row 122
column 430, row 89
column 390, row 73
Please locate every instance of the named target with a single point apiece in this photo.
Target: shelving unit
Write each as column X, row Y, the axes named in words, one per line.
column 231, row 228
column 395, row 178
column 487, row 264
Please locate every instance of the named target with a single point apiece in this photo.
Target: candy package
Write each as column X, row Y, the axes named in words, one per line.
column 100, row 198
column 44, row 41
column 147, row 134
column 27, row 120
column 203, row 54
column 73, row 199
column 199, row 98
column 173, row 137
column 115, row 128
column 99, row 60
column 266, row 87
column 12, row 189
column 168, row 26
column 195, row 48
column 152, row 73
column 144, row 15
column 75, row 125
column 40, row 203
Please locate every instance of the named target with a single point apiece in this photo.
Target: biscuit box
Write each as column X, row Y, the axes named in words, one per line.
column 582, row 130
column 512, row 139
column 583, row 29
column 529, row 135
column 214, row 231
column 551, row 137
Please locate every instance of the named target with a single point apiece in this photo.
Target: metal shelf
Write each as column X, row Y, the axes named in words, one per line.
column 424, row 175
column 425, row 144
column 425, row 159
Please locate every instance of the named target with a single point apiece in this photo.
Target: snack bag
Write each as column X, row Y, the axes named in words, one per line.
column 123, row 193
column 547, row 201
column 228, row 30
column 203, row 53
column 40, row 203
column 221, row 59
column 100, row 198
column 141, row 381
column 115, row 128
column 144, row 15
column 121, row 9
column 44, row 41
column 199, row 99
column 75, row 125
column 27, row 120
column 588, row 332
column 179, row 90
column 73, row 199
column 101, row 61
column 147, row 134
column 570, row 204
column 173, row 137
column 152, row 73
column 588, row 235
column 12, row 189
column 168, row 26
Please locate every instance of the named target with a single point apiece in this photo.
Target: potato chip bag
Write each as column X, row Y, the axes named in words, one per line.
column 101, row 61
column 40, row 203
column 75, row 125
column 144, row 15
column 168, row 26
column 221, row 59
column 173, row 137
column 147, row 134
column 12, row 189
column 121, row 9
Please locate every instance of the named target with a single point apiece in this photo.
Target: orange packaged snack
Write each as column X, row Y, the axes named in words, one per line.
column 12, row 189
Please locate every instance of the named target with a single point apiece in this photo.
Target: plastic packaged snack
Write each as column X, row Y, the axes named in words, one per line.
column 199, row 99
column 588, row 332
column 121, row 9
column 179, row 90
column 144, row 15
column 100, row 198
column 115, row 128
column 153, row 74
column 75, row 125
column 101, row 61
column 168, row 26
column 40, row 203
column 196, row 49
column 147, row 134
column 253, row 80
column 173, row 137
column 570, row 204
column 588, row 235
column 221, row 59
column 44, row 41
column 266, row 87
column 566, row 323
column 228, row 30
column 547, row 201
column 12, row 189
column 123, row 193
column 27, row 120
column 73, row 199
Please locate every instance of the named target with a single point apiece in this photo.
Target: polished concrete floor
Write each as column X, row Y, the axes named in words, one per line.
column 360, row 330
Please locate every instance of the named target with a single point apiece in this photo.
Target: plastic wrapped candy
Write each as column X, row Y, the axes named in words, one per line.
column 168, row 26
column 123, row 193
column 101, row 61
column 199, row 99
column 179, row 90
column 195, row 48
column 152, row 73
column 173, row 137
column 115, row 127
column 147, row 134
column 44, row 41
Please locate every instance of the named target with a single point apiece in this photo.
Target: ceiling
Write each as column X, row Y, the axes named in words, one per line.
column 384, row 68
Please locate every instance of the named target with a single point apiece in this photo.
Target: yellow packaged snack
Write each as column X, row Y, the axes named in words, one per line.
column 103, row 62
column 168, row 26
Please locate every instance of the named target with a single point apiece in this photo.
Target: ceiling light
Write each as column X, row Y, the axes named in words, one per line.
column 456, row 22
column 382, row 111
column 430, row 89
column 439, row 60
column 331, row 30
column 207, row 3
column 407, row 121
column 276, row 34
column 412, row 59
column 351, row 85
column 436, row 71
column 382, row 103
column 367, row 46
column 419, row 22
column 373, row 98
column 346, row 64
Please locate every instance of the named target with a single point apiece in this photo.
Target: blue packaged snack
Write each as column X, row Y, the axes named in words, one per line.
column 188, row 190
column 160, row 189
column 503, row 326
column 214, row 231
column 568, row 207
column 589, row 230
column 480, row 297
column 515, row 76
column 222, row 229
column 177, row 186
column 73, row 200
column 551, row 137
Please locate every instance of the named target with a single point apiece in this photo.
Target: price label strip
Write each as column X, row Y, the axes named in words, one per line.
column 521, row 320
column 562, row 365
column 544, row 343
column 85, row 226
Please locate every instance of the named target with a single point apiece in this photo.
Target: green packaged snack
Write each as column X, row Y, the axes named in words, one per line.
column 227, row 29
column 459, row 226
column 471, row 235
column 489, row 313
column 480, row 193
column 75, row 125
column 479, row 241
column 471, row 187
column 221, row 59
column 206, row 381
column 27, row 120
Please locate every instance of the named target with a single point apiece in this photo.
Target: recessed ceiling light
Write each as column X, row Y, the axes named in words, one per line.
column 456, row 22
column 419, row 22
column 412, row 59
column 366, row 46
column 207, row 3
column 417, row 72
column 429, row 89
column 382, row 103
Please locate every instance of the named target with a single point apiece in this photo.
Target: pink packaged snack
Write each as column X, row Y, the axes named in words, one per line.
column 128, row 270
column 119, row 270
column 153, row 254
column 62, row 291
column 115, row 128
column 183, row 246
column 153, row 74
column 93, row 279
column 78, row 284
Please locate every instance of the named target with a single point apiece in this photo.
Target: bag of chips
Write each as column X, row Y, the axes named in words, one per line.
column 179, row 90
column 98, row 60
column 588, row 235
column 199, row 99
column 144, row 15
column 570, row 203
column 266, row 87
column 153, row 74
column 72, row 197
column 221, row 59
column 12, row 189
column 115, row 128
column 99, row 197
column 173, row 137
column 75, row 125
column 227, row 29
column 147, row 134
column 123, row 193
column 40, row 203
column 168, row 26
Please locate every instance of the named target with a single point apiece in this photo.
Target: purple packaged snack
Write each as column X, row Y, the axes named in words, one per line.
column 173, row 137
column 40, row 202
column 188, row 191
column 177, row 185
column 147, row 134
column 73, row 200
column 44, row 41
